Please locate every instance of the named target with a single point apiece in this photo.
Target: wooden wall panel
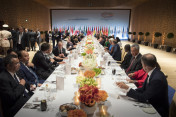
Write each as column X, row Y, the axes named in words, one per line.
column 155, row 16
column 15, row 13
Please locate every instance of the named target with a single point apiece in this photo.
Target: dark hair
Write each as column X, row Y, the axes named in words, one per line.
column 8, row 59
column 115, row 42
column 149, row 60
column 45, row 46
column 117, row 39
column 20, row 53
column 127, row 47
column 10, row 50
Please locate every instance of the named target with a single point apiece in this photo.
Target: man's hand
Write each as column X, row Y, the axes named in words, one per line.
column 122, row 85
column 22, row 82
column 52, row 60
column 131, row 81
column 39, row 84
column 62, row 62
column 61, row 55
column 32, row 87
column 30, row 65
column 131, row 75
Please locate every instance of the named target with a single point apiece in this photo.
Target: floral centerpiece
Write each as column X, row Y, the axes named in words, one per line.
column 89, row 62
column 89, row 95
column 89, row 73
column 88, row 81
column 102, row 95
column 76, row 113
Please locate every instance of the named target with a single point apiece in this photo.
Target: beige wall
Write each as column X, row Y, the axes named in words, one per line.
column 15, row 13
column 155, row 16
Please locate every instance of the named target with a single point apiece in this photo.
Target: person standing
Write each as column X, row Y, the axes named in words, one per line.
column 20, row 39
column 38, row 38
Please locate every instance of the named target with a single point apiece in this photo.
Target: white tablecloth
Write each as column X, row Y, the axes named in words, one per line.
column 118, row 104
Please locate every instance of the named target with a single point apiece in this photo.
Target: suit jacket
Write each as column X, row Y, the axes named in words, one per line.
column 14, row 35
column 116, row 54
column 11, row 94
column 126, row 61
column 26, row 74
column 23, row 43
column 56, row 51
column 155, row 92
column 137, row 65
column 43, row 65
column 32, row 37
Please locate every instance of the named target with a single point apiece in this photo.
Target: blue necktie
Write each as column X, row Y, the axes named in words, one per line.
column 36, row 77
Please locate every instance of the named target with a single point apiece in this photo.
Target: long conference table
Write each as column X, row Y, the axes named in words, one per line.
column 118, row 104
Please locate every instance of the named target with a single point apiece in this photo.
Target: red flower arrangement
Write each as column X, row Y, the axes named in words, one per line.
column 89, row 51
column 89, row 95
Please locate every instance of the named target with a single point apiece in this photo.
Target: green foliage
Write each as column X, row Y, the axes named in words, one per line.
column 140, row 33
column 158, row 34
column 129, row 33
column 41, row 32
column 170, row 35
column 83, row 54
column 147, row 34
column 88, row 81
column 134, row 33
column 97, row 71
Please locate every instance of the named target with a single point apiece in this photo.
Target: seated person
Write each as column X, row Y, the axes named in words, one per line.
column 28, row 73
column 116, row 54
column 70, row 45
column 137, row 77
column 125, row 63
column 107, row 43
column 59, row 51
column 13, row 90
column 135, row 62
column 44, row 66
column 154, row 89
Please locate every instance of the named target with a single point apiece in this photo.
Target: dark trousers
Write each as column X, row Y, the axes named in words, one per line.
column 33, row 45
column 19, row 47
column 15, row 45
column 53, row 39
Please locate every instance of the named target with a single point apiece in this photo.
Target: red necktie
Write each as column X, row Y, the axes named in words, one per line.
column 130, row 65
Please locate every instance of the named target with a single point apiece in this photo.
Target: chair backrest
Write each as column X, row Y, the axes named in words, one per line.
column 123, row 54
column 171, row 92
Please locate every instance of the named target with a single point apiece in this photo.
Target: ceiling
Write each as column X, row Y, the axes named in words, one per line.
column 90, row 4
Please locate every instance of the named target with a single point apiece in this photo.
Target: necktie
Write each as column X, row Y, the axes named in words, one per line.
column 36, row 77
column 16, row 79
column 25, row 93
column 147, row 81
column 130, row 65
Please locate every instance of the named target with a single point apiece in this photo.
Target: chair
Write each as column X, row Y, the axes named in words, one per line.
column 122, row 56
column 171, row 92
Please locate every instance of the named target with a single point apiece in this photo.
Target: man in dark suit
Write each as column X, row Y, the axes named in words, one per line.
column 20, row 39
column 32, row 39
column 26, row 72
column 135, row 62
column 127, row 58
column 14, row 38
column 44, row 67
column 155, row 88
column 59, row 52
column 116, row 54
column 12, row 89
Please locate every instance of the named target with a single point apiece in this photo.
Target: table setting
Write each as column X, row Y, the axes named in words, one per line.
column 86, row 87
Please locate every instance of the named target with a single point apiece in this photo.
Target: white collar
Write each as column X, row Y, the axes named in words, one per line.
column 151, row 71
column 136, row 56
column 12, row 74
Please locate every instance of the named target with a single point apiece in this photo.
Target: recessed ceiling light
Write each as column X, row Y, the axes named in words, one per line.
column 5, row 25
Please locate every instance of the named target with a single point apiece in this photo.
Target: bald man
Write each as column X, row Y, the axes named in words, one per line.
column 155, row 88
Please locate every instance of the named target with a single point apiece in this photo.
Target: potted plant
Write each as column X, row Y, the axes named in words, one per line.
column 129, row 33
column 140, row 34
column 134, row 33
column 146, row 35
column 157, row 34
column 169, row 36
